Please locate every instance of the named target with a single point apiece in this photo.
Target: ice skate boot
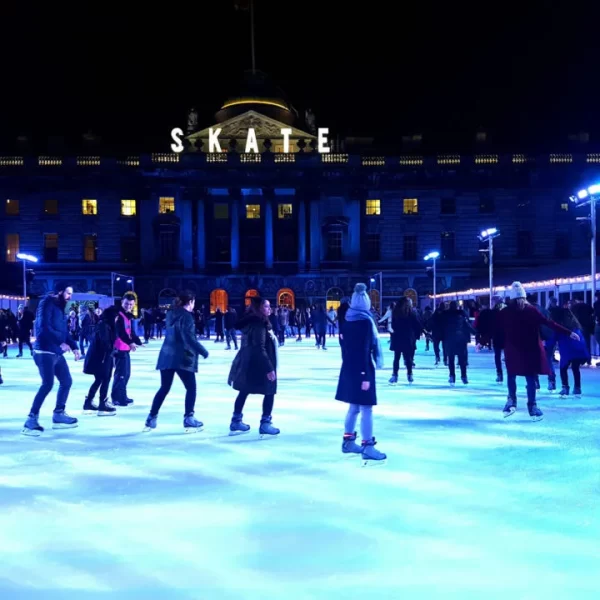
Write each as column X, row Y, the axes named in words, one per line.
column 577, row 392
column 499, row 377
column 32, row 427
column 106, row 409
column 565, row 391
column 266, row 429
column 191, row 424
column 465, row 380
column 451, row 380
column 393, row 380
column 237, row 426
column 61, row 420
column 410, row 378
column 534, row 412
column 349, row 445
column 89, row 408
column 150, row 424
column 510, row 407
column 551, row 385
column 370, row 454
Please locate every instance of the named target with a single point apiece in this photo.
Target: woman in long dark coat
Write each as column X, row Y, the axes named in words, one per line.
column 179, row 356
column 456, row 335
column 406, row 330
column 524, row 352
column 254, row 368
column 356, row 385
column 99, row 363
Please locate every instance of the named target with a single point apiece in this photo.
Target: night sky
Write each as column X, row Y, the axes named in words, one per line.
column 526, row 75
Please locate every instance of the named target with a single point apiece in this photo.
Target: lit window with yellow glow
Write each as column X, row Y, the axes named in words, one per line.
column 284, row 211
column 252, row 211
column 128, row 208
column 12, row 208
column 410, row 206
column 166, row 205
column 12, row 247
column 89, row 207
column 373, row 207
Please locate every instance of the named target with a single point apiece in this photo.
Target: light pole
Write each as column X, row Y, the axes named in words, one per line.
column 434, row 256
column 380, row 275
column 583, row 198
column 117, row 277
column 26, row 258
column 488, row 235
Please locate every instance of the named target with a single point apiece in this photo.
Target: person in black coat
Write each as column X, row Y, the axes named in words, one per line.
column 456, row 331
column 25, row 319
column 498, row 341
column 437, row 333
column 179, row 356
column 406, row 330
column 254, row 369
column 99, row 363
column 356, row 385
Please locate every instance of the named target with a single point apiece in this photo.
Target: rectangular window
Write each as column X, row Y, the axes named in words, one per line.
column 334, row 245
column 252, row 211
column 373, row 208
column 12, row 208
column 373, row 247
column 130, row 250
column 89, row 207
column 411, row 206
column 221, row 210
column 166, row 205
column 128, row 208
column 50, row 247
column 487, row 204
column 448, row 206
column 524, row 244
column 12, row 247
column 284, row 211
column 50, row 207
column 167, row 243
column 410, row 247
column 448, row 246
column 90, row 247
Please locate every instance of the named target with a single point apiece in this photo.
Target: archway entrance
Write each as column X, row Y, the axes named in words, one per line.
column 218, row 299
column 286, row 299
column 250, row 294
column 333, row 298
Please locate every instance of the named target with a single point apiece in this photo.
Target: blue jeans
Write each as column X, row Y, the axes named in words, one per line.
column 512, row 387
column 51, row 366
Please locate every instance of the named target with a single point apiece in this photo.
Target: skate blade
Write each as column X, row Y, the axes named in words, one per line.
column 31, row 432
column 234, row 433
column 147, row 429
column 89, row 412
column 508, row 414
column 537, row 418
column 106, row 414
column 262, row 436
column 369, row 462
column 64, row 425
column 192, row 429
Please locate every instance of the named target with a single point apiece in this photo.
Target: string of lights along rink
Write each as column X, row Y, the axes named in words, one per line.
column 468, row 504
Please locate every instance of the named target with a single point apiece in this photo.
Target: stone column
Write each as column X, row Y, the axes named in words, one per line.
column 354, row 215
column 200, row 233
column 234, row 208
column 301, row 234
column 315, row 234
column 183, row 209
column 148, row 211
column 268, row 195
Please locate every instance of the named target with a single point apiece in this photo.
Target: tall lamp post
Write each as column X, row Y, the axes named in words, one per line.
column 380, row 275
column 589, row 196
column 434, row 256
column 26, row 258
column 488, row 235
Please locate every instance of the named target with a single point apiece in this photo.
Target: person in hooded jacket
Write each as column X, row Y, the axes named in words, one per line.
column 179, row 356
column 99, row 362
column 254, row 369
column 406, row 330
column 456, row 335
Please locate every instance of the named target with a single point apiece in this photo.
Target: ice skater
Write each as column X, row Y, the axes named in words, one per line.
column 456, row 335
column 405, row 331
column 179, row 356
column 356, row 385
column 254, row 369
column 52, row 341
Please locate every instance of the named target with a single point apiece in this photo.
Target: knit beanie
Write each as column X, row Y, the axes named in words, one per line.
column 517, row 290
column 360, row 299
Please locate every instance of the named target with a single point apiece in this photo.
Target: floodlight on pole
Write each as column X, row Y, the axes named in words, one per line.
column 26, row 258
column 433, row 256
column 488, row 235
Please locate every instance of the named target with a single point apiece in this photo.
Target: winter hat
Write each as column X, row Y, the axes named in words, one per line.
column 360, row 299
column 517, row 291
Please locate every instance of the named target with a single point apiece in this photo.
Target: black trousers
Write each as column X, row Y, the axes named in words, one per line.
column 102, row 381
column 564, row 373
column 188, row 378
column 498, row 359
column 461, row 354
column 122, row 375
column 24, row 339
column 436, row 348
column 51, row 366
column 268, row 402
column 409, row 357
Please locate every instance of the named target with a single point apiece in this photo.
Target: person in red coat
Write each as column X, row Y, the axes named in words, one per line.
column 524, row 352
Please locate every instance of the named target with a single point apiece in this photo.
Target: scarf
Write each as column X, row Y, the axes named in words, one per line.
column 362, row 315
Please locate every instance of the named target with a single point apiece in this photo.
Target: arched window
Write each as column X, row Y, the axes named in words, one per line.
column 218, row 299
column 374, row 295
column 286, row 298
column 334, row 297
column 250, row 294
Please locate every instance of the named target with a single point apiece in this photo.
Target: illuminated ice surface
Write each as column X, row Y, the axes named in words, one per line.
column 469, row 505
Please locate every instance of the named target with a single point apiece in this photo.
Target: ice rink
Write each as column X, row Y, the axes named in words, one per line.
column 469, row 505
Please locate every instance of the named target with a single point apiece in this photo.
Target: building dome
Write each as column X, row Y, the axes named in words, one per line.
column 258, row 92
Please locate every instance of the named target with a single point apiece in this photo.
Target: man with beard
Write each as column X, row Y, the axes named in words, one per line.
column 52, row 341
